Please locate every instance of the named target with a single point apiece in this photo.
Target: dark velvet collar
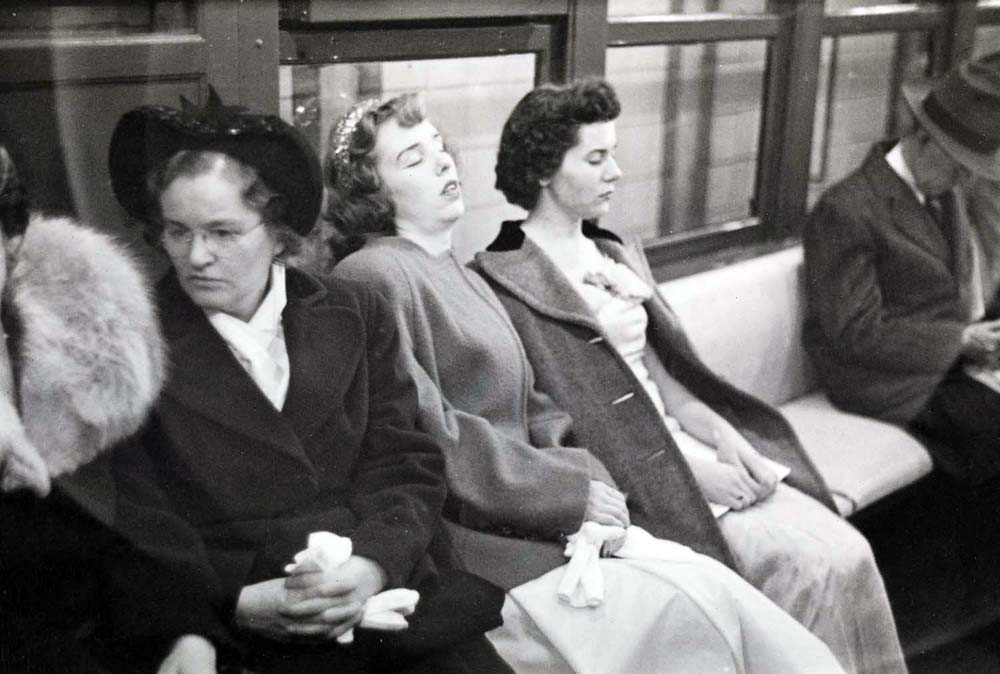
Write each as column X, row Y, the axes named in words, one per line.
column 511, row 236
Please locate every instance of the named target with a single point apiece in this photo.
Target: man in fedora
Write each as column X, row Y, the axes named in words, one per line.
column 902, row 320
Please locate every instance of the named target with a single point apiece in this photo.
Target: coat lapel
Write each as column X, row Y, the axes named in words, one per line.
column 324, row 345
column 907, row 215
column 528, row 274
column 206, row 378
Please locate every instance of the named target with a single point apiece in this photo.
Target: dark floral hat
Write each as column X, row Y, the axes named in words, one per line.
column 146, row 137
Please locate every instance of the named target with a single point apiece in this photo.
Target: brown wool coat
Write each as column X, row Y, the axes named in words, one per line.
column 613, row 416
column 887, row 293
column 516, row 483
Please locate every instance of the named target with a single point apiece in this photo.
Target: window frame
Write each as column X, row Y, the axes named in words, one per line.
column 562, row 33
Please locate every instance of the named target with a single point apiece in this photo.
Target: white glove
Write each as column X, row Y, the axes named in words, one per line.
column 383, row 611
column 582, row 583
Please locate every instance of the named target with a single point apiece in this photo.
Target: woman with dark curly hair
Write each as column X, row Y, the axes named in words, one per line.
column 517, row 485
column 700, row 460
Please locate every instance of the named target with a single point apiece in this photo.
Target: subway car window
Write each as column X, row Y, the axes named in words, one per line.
column 858, row 99
column 468, row 99
column 623, row 8
column 92, row 19
column 688, row 135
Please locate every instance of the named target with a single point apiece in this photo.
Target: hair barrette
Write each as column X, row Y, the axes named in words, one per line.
column 344, row 130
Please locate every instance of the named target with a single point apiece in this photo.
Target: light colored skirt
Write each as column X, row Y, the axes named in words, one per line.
column 820, row 569
column 695, row 617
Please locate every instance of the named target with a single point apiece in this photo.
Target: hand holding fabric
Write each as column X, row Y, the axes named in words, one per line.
column 606, row 505
column 723, row 483
column 582, row 583
column 262, row 607
column 326, row 571
column 734, row 449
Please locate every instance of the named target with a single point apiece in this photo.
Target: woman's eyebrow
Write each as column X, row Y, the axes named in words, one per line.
column 211, row 224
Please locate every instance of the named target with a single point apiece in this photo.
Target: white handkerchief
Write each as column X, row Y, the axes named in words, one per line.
column 383, row 611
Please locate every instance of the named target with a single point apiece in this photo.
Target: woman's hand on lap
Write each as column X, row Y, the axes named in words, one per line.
column 761, row 472
column 329, row 603
column 724, row 483
column 269, row 610
column 606, row 505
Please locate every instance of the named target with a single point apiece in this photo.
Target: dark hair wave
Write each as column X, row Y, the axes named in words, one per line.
column 543, row 126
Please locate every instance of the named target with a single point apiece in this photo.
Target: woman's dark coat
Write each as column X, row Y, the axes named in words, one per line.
column 243, row 484
column 612, row 414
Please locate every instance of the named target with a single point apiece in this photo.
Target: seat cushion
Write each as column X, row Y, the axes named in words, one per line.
column 862, row 459
column 745, row 321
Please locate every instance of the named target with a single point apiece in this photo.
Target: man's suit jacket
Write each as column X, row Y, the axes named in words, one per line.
column 888, row 292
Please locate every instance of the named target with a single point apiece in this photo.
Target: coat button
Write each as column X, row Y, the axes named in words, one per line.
column 620, row 399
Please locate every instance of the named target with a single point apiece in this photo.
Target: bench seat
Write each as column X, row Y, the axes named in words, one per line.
column 745, row 321
column 862, row 459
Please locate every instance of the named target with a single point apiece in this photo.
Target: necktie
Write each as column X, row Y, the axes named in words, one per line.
column 939, row 207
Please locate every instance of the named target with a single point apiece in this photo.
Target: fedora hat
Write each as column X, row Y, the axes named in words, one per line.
column 962, row 112
column 148, row 136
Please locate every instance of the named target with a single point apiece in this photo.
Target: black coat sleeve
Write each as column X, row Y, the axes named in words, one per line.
column 160, row 583
column 398, row 483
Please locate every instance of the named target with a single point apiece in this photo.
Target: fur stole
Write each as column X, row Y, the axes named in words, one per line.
column 89, row 352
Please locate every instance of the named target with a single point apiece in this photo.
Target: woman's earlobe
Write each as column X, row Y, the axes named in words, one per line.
column 544, row 182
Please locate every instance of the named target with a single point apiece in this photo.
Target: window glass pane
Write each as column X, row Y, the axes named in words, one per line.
column 22, row 18
column 987, row 40
column 858, row 100
column 623, row 8
column 468, row 99
column 688, row 134
column 831, row 6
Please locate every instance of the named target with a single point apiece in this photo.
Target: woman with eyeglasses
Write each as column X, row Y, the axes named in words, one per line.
column 285, row 414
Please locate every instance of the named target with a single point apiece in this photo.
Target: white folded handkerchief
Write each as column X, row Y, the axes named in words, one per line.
column 582, row 584
column 383, row 611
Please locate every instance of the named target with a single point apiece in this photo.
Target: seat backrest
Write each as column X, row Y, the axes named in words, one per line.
column 745, row 321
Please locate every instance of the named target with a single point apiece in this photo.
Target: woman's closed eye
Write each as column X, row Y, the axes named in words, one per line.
column 598, row 157
column 411, row 158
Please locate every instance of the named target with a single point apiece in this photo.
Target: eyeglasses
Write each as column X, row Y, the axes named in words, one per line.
column 219, row 241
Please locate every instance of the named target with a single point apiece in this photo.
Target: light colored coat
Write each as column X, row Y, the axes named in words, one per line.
column 613, row 416
column 516, row 483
